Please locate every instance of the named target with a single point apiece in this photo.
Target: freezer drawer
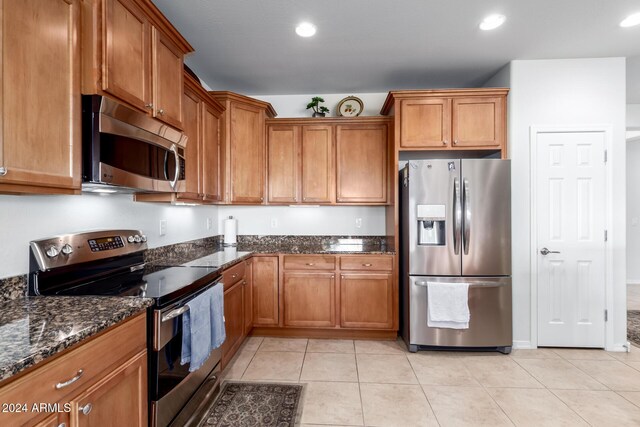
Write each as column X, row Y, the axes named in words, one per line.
column 490, row 306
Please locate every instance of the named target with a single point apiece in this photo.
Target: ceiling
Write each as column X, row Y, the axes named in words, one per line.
column 250, row 46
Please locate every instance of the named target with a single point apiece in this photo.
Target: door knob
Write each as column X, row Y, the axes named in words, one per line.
column 545, row 251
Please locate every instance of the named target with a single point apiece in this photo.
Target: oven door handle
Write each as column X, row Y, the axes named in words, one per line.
column 175, row 313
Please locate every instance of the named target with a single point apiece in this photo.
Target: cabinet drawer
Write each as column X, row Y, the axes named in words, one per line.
column 367, row 262
column 233, row 275
column 46, row 383
column 311, row 262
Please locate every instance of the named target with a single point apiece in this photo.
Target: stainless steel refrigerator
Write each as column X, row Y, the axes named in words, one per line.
column 456, row 228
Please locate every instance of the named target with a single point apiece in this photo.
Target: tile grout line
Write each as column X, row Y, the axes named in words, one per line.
column 567, row 405
column 422, row 389
column 355, row 355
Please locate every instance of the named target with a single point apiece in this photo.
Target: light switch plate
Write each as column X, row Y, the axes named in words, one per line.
column 274, row 222
column 358, row 222
column 163, row 227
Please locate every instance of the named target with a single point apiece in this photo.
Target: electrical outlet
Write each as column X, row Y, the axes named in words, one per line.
column 209, row 223
column 163, row 227
column 358, row 222
column 274, row 222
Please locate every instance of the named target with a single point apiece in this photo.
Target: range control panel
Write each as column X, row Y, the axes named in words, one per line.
column 82, row 247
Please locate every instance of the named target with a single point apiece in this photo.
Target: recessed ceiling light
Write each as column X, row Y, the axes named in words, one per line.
column 305, row 29
column 103, row 191
column 631, row 20
column 492, row 22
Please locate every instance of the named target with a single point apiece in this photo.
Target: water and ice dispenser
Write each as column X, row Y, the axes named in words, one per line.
column 431, row 225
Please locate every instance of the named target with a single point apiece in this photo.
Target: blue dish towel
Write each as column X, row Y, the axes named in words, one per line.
column 201, row 327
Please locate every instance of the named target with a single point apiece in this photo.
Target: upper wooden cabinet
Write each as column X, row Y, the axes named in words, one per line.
column 40, row 133
column 328, row 161
column 362, row 163
column 133, row 53
column 457, row 119
column 243, row 148
column 202, row 121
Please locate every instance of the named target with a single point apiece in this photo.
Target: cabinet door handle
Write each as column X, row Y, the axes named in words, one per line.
column 367, row 265
column 86, row 409
column 455, row 142
column 71, row 381
column 311, row 263
column 341, row 276
column 149, row 105
column 444, row 142
column 3, row 171
column 233, row 276
column 244, row 282
column 161, row 112
column 333, row 276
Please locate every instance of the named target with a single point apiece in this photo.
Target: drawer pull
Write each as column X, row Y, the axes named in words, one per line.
column 71, row 381
column 311, row 263
column 367, row 264
column 233, row 276
column 244, row 282
column 86, row 409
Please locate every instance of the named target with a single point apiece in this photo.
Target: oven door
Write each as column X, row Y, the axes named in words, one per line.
column 171, row 385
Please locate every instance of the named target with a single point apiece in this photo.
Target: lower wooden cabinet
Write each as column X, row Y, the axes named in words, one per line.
column 117, row 399
column 234, row 320
column 265, row 291
column 309, row 299
column 102, row 382
column 248, row 297
column 366, row 300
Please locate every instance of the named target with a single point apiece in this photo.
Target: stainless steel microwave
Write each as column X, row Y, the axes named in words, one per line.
column 125, row 150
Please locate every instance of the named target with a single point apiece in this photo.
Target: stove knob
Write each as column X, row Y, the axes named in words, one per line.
column 137, row 238
column 130, row 239
column 67, row 249
column 52, row 252
column 144, row 238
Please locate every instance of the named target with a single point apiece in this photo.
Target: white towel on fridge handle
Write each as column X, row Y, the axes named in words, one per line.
column 448, row 305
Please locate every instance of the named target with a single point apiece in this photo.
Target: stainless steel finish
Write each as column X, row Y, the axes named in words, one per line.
column 149, row 105
column 131, row 239
column 137, row 239
column 488, row 217
column 455, row 142
column 444, row 142
column 144, row 238
column 199, row 404
column 466, row 202
column 176, row 176
column 70, row 381
column 431, row 182
column 3, row 171
column 490, row 307
column 67, row 249
column 52, row 252
column 81, row 251
column 161, row 112
column 121, row 120
column 457, row 212
column 86, row 409
column 175, row 313
column 545, row 251
column 165, row 409
column 367, row 264
column 112, row 175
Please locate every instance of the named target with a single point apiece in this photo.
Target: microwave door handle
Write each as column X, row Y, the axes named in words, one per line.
column 176, row 177
column 467, row 215
column 457, row 212
column 166, row 165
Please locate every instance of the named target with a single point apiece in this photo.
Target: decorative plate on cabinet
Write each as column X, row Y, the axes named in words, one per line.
column 350, row 106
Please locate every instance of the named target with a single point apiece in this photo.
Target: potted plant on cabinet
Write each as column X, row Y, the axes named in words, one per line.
column 318, row 110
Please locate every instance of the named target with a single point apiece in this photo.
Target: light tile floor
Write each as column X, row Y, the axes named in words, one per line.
column 378, row 383
column 633, row 297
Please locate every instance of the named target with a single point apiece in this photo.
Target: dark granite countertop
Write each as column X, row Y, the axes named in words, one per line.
column 34, row 328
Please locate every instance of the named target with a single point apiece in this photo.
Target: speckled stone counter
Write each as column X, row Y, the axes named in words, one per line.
column 34, row 328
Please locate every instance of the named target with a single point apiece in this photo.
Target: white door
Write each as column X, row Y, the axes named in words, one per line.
column 570, row 218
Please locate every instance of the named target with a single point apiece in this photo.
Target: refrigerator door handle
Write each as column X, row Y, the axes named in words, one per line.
column 457, row 212
column 466, row 196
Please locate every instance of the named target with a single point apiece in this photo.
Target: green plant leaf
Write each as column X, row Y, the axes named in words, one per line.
column 324, row 110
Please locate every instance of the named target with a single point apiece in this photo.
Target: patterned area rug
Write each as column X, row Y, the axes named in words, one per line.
column 253, row 404
column 633, row 326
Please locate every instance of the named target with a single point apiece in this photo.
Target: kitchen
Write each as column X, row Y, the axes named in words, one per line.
column 300, row 280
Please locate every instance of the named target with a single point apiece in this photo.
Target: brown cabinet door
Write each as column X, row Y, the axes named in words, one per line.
column 126, row 40
column 479, row 122
column 211, row 153
column 425, row 123
column 55, row 420
column 309, row 299
column 167, row 80
column 366, row 300
column 40, row 135
column 247, row 154
column 361, row 153
column 120, row 399
column 248, row 298
column 283, row 152
column 317, row 164
column 191, row 106
column 234, row 321
column 265, row 291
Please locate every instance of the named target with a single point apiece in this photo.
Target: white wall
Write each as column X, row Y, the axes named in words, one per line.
column 295, row 105
column 26, row 218
column 633, row 116
column 633, row 211
column 332, row 220
column 563, row 92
